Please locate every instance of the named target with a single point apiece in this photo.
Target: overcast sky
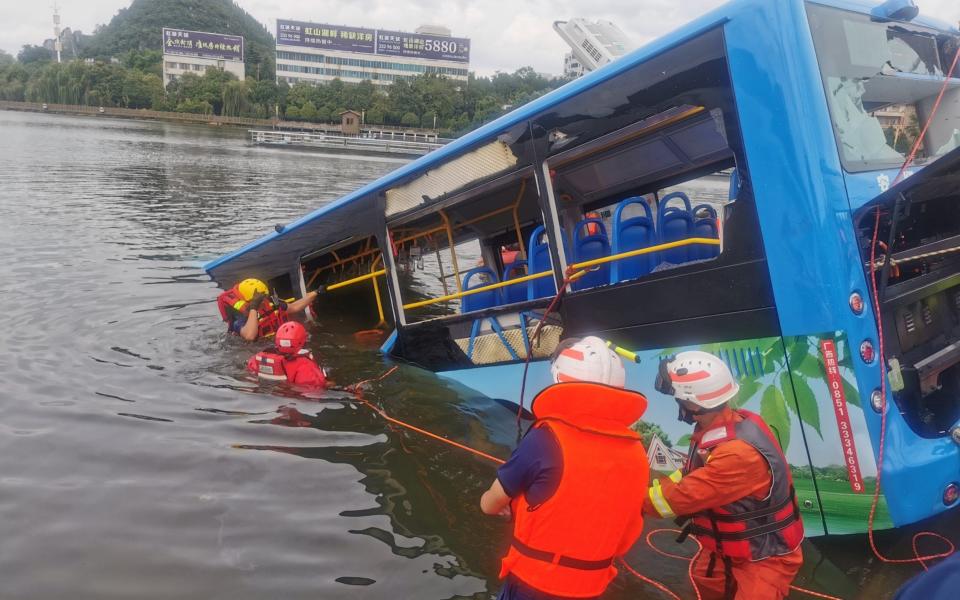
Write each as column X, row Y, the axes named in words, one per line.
column 505, row 34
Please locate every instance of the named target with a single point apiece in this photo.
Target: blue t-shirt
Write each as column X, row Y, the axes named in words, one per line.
column 534, row 468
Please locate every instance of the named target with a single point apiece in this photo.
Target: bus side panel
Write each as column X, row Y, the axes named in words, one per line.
column 819, row 369
column 760, row 368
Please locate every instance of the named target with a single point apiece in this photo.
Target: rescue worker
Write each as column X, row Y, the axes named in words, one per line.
column 576, row 483
column 288, row 361
column 736, row 488
column 250, row 312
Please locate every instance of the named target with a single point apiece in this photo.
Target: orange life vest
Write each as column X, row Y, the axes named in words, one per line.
column 270, row 317
column 566, row 545
column 749, row 528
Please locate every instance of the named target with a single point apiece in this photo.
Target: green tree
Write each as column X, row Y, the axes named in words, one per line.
column 308, row 111
column 292, row 113
column 31, row 54
column 648, row 430
column 6, row 59
column 324, row 114
column 409, row 120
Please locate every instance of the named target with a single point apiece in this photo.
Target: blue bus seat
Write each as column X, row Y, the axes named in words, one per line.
column 481, row 300
column 705, row 226
column 538, row 260
column 588, row 247
column 518, row 292
column 629, row 234
column 674, row 224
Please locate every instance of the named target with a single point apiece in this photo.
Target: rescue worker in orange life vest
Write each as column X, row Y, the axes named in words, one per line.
column 250, row 312
column 576, row 484
column 736, row 488
column 289, row 361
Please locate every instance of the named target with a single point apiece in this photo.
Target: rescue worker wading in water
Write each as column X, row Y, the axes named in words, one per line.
column 289, row 361
column 735, row 488
column 575, row 485
column 249, row 312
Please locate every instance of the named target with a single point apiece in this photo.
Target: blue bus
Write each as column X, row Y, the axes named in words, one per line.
column 722, row 188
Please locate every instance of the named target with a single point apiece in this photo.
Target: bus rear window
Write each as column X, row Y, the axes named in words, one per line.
column 881, row 81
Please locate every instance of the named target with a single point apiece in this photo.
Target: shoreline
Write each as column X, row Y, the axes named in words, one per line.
column 192, row 118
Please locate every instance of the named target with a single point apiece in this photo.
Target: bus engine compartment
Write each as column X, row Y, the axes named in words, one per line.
column 918, row 282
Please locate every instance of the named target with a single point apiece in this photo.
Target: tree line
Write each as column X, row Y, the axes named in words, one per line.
column 134, row 80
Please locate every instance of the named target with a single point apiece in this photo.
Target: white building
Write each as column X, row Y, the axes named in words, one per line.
column 196, row 51
column 593, row 43
column 317, row 52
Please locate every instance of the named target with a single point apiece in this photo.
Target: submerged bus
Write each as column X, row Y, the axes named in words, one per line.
column 720, row 188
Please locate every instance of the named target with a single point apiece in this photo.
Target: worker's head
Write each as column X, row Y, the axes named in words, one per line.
column 290, row 338
column 588, row 359
column 248, row 288
column 700, row 382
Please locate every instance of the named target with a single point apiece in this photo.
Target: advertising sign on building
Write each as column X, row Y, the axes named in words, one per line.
column 202, row 44
column 372, row 41
column 418, row 45
column 327, row 37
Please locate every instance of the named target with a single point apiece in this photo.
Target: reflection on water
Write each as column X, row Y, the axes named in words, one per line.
column 140, row 461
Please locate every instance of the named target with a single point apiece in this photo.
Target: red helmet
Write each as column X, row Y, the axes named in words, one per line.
column 290, row 337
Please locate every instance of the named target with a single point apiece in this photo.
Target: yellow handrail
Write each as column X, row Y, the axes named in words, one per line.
column 359, row 279
column 658, row 248
column 470, row 292
column 581, row 265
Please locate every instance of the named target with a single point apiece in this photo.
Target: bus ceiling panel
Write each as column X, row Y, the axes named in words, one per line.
column 500, row 183
column 488, row 160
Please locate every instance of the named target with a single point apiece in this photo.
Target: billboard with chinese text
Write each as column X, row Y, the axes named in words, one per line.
column 372, row 41
column 419, row 45
column 202, row 44
column 327, row 37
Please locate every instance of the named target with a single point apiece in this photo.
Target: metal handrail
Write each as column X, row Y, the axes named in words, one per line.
column 576, row 266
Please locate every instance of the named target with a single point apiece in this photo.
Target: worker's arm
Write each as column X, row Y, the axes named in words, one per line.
column 495, row 501
column 251, row 329
column 734, row 470
column 302, row 304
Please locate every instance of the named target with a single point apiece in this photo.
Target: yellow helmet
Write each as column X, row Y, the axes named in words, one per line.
column 249, row 287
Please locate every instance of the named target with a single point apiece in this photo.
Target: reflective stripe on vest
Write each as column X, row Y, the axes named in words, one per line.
column 271, row 318
column 752, row 528
column 566, row 545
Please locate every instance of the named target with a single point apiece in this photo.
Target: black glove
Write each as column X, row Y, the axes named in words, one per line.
column 320, row 289
column 664, row 384
column 257, row 300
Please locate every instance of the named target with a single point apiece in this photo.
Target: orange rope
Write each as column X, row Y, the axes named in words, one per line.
column 357, row 390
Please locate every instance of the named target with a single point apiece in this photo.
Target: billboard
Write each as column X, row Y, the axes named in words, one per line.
column 202, row 44
column 419, row 45
column 327, row 37
column 372, row 41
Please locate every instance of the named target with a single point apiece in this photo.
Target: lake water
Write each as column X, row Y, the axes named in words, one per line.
column 136, row 457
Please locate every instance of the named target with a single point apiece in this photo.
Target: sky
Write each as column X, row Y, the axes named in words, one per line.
column 505, row 34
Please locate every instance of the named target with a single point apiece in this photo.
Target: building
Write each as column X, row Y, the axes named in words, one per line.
column 593, row 43
column 571, row 66
column 317, row 52
column 196, row 51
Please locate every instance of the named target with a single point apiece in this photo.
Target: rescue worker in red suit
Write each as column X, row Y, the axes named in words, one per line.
column 736, row 488
column 289, row 361
column 576, row 484
column 250, row 312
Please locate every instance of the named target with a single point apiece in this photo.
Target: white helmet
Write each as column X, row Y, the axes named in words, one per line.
column 699, row 377
column 590, row 360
